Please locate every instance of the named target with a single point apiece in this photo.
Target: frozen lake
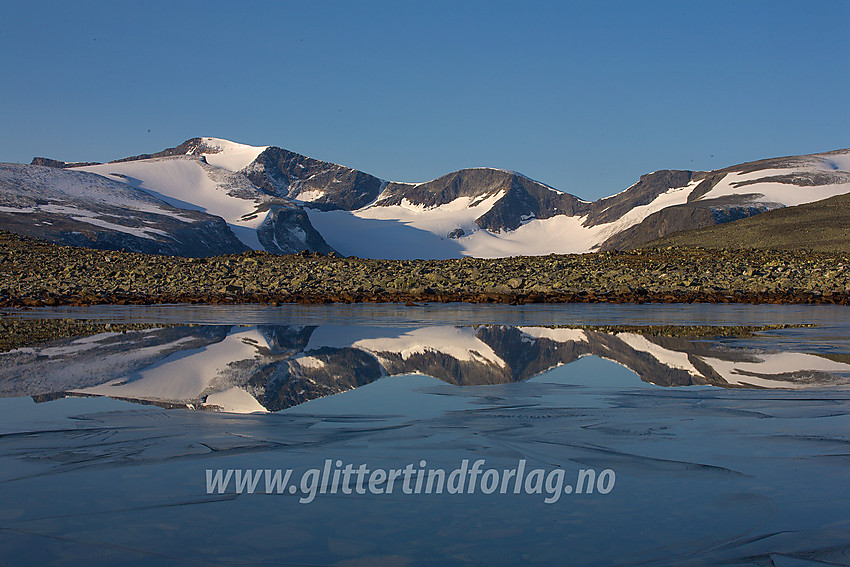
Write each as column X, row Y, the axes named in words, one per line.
column 591, row 444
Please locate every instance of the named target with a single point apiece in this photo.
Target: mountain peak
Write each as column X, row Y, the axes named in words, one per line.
column 229, row 155
column 219, row 152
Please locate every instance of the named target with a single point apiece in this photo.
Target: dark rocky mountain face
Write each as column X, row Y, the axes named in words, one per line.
column 341, row 369
column 287, row 174
column 192, row 146
column 287, row 230
column 83, row 209
column 47, row 162
column 206, row 237
column 643, row 192
column 525, row 200
column 478, row 182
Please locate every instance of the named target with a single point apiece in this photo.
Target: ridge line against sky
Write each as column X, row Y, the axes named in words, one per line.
column 584, row 97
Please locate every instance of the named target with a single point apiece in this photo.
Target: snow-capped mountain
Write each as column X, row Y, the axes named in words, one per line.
column 277, row 200
column 206, row 174
column 190, row 200
column 493, row 213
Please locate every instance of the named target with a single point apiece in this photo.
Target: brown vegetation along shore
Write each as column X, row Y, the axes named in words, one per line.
column 37, row 273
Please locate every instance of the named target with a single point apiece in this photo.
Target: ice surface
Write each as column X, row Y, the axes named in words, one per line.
column 704, row 476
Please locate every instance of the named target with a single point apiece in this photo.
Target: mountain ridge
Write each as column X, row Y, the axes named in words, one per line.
column 482, row 212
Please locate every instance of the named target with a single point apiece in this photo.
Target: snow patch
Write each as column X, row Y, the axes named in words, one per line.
column 557, row 335
column 458, row 342
column 235, row 400
column 95, row 219
column 670, row 358
column 310, row 362
column 230, row 155
column 25, row 210
column 838, row 161
column 310, row 196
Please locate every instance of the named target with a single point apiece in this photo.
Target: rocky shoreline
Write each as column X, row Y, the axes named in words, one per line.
column 36, row 273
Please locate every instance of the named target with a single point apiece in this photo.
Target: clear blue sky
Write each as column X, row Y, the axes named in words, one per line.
column 583, row 96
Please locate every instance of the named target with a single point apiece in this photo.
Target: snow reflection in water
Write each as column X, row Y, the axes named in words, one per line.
column 257, row 368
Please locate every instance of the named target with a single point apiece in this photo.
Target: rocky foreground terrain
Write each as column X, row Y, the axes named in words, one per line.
column 37, row 273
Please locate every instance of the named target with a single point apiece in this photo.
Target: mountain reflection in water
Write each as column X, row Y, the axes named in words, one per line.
column 260, row 368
